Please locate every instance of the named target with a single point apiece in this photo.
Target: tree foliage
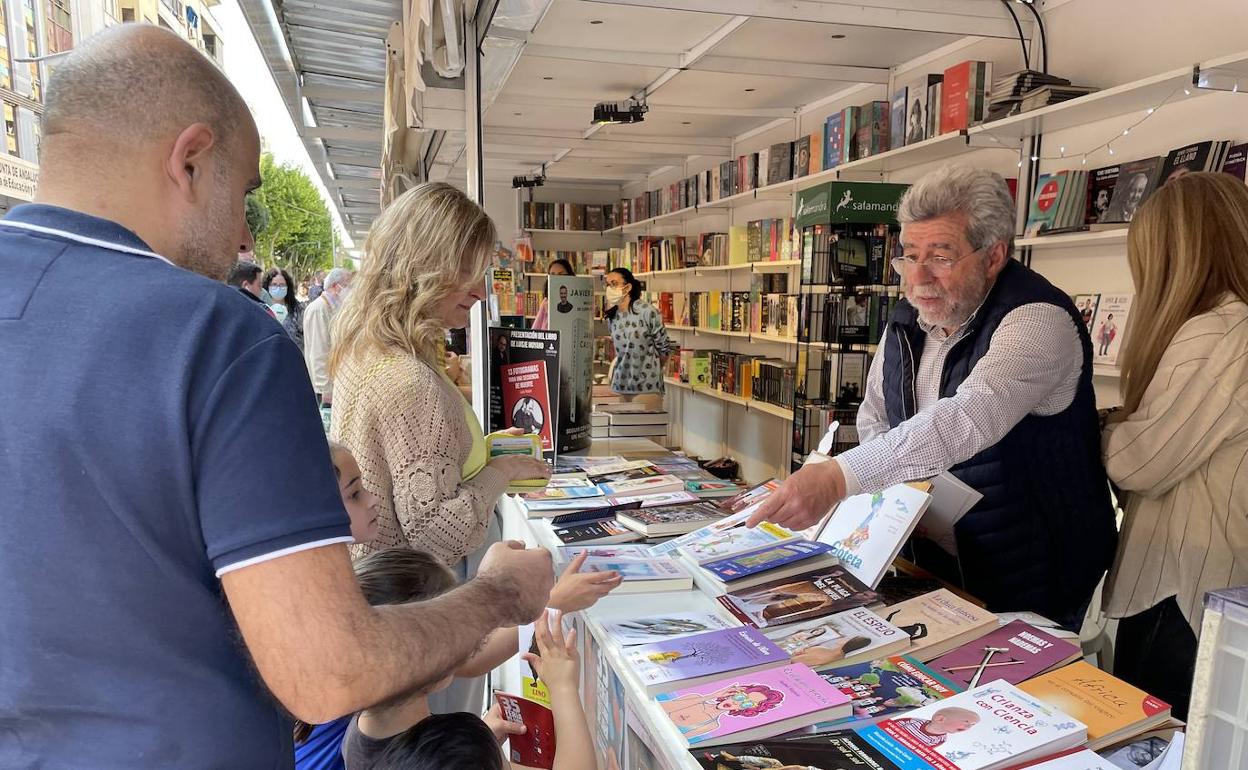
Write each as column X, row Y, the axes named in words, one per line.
column 291, row 223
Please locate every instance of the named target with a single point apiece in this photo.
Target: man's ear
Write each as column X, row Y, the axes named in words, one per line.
column 187, row 164
column 996, row 259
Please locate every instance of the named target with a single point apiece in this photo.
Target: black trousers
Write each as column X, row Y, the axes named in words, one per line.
column 1156, row 651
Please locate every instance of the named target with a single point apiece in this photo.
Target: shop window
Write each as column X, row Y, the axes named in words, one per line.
column 32, row 49
column 127, row 14
column 10, row 128
column 60, row 26
column 6, row 73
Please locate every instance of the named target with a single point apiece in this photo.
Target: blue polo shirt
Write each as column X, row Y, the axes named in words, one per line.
column 156, row 430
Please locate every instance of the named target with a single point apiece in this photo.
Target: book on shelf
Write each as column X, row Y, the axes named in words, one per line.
column 800, row 597
column 938, row 622
column 842, row 639
column 1109, row 327
column 801, row 157
column 1112, row 709
column 866, row 532
column 932, row 106
column 779, row 561
column 1136, row 181
column 535, row 747
column 649, row 485
column 833, row 140
column 1086, row 304
column 752, row 707
column 695, row 660
column 1236, row 162
column 637, row 431
column 643, row 575
column 670, row 520
column 850, row 119
column 897, row 118
column 664, row 628
column 1014, row 652
column 885, row 688
column 713, row 543
column 1043, row 212
column 601, row 532
column 871, row 137
column 1101, row 183
column 780, row 162
column 991, row 727
column 1201, row 156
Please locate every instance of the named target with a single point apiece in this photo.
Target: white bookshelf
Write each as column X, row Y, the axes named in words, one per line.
column 1117, row 237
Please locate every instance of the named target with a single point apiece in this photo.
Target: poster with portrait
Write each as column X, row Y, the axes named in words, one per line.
column 570, row 299
column 523, row 385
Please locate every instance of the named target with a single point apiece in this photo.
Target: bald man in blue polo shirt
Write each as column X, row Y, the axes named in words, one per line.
column 155, row 611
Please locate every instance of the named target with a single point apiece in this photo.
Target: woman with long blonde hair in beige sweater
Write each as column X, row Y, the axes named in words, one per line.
column 1178, row 448
column 419, row 446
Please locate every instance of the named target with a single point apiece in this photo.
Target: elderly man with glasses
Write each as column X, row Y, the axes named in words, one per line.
column 984, row 371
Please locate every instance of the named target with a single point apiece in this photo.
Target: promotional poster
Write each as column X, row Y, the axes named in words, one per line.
column 571, row 302
column 524, row 376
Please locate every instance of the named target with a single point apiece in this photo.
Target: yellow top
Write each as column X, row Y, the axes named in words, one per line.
column 479, row 454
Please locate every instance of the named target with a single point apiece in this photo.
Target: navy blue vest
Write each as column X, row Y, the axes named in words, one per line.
column 1044, row 533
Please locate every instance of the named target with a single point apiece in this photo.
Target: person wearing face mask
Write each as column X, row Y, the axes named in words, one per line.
column 985, row 371
column 317, row 336
column 556, row 267
column 419, row 445
column 637, row 332
column 288, row 308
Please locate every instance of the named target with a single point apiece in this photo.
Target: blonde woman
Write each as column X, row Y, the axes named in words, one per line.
column 1178, row 449
column 419, row 445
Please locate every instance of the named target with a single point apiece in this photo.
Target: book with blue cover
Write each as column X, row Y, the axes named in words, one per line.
column 736, row 570
column 692, row 660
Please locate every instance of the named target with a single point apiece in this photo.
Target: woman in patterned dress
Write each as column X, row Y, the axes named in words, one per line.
column 640, row 339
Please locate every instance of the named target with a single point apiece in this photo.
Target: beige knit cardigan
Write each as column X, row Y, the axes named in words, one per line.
column 407, row 428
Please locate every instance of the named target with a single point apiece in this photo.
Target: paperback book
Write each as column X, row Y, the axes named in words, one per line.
column 866, row 532
column 1044, row 204
column 1108, row 327
column 562, row 493
column 643, row 576
column 1100, row 192
column 736, row 541
column 770, row 563
column 1112, row 709
column 749, row 498
column 668, row 520
column 801, row 597
column 832, row 751
column 568, row 482
column 538, row 509
column 1136, row 181
column 710, row 531
column 704, row 488
column 939, row 622
column 645, row 472
column 695, row 660
column 592, row 514
column 536, row 746
column 752, row 707
column 607, row 465
column 617, row 551
column 991, row 727
column 884, row 689
column 1014, row 652
column 603, row 532
column 651, row 501
column 651, row 485
column 662, row 628
column 842, row 639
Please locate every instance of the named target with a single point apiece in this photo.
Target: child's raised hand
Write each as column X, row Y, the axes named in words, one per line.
column 557, row 663
column 576, row 590
column 500, row 726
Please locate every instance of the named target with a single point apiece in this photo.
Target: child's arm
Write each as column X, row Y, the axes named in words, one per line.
column 500, row 647
column 559, row 668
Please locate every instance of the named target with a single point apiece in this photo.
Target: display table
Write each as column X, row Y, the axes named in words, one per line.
column 629, row 728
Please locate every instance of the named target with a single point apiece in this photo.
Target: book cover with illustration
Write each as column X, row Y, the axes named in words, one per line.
column 641, row 576
column 613, row 551
column 663, row 628
column 1136, row 181
column 544, row 508
column 1014, row 652
column 1086, row 305
column 1100, row 192
column 613, row 465
column 992, row 726
column 938, row 622
column 1186, row 159
column 750, row 497
column 883, row 689
column 711, row 487
column 602, row 532
column 1112, row 709
column 726, row 543
column 842, row 639
column 752, row 707
column 830, row 751
column 897, row 118
column 653, row 501
column 563, row 493
column 669, row 547
column 833, row 140
column 523, row 386
column 536, row 746
column 801, row 597
column 667, row 520
column 693, row 660
column 1109, row 326
column 1043, row 212
column 736, row 568
column 642, row 486
column 866, row 532
column 568, row 482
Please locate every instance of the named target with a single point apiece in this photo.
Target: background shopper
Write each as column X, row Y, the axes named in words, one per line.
column 637, row 332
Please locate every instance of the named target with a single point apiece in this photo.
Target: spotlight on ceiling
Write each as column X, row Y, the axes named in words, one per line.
column 630, row 111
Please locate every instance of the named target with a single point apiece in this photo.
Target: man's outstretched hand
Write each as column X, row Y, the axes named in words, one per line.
column 804, row 498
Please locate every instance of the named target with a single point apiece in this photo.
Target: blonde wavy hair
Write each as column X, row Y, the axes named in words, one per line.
column 1187, row 248
column 428, row 243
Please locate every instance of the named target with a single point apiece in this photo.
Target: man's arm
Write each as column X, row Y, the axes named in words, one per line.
column 324, row 652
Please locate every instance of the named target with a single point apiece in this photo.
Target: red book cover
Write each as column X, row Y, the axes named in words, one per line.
column 955, row 102
column 526, row 399
column 536, row 748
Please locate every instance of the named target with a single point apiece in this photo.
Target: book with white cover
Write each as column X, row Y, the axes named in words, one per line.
column 615, row 551
column 651, row 501
column 664, row 627
column 670, row 547
column 643, row 576
column 866, row 532
column 605, row 469
column 736, row 541
column 849, row 637
column 650, row 485
column 1109, row 326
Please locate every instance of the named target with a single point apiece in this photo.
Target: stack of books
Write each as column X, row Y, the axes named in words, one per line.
column 1008, row 91
column 633, row 420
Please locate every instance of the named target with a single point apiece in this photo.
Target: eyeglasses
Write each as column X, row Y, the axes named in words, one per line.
column 937, row 266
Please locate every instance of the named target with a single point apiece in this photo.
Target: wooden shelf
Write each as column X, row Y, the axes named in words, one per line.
column 1070, row 240
column 747, row 403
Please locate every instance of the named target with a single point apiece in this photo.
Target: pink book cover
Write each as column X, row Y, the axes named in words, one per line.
column 712, row 713
column 1018, row 650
